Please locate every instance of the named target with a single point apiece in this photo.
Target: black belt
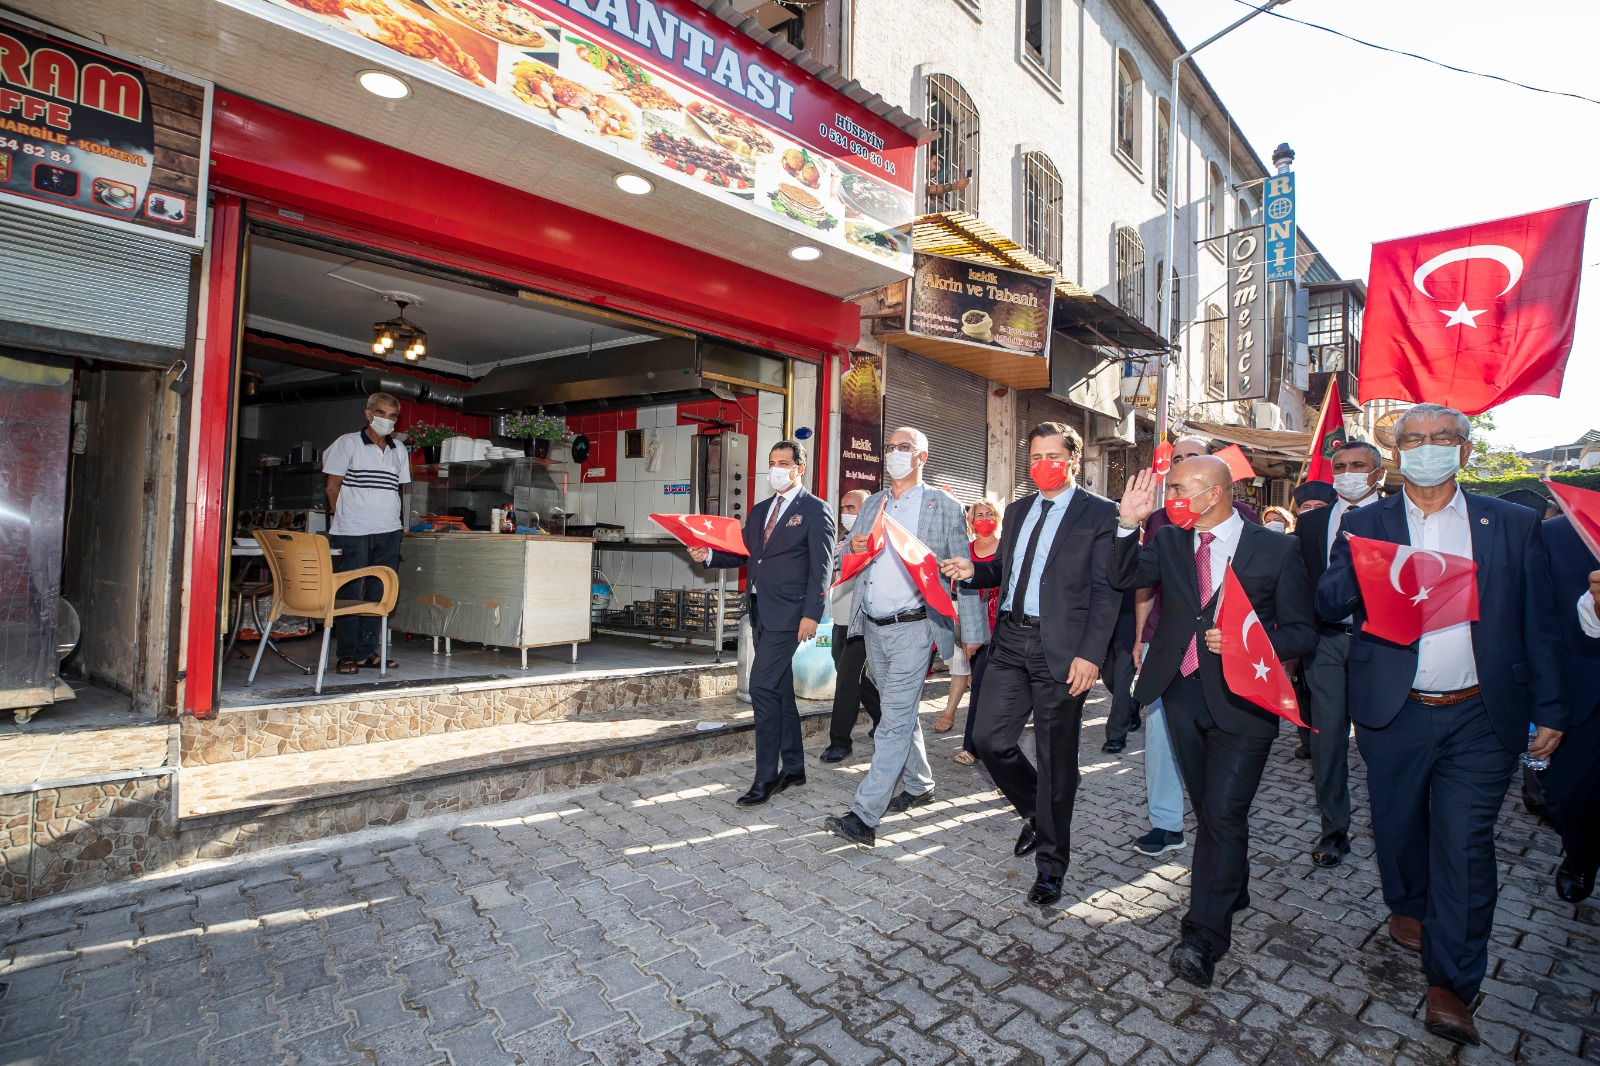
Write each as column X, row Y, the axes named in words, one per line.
column 904, row 616
column 1339, row 627
column 1024, row 621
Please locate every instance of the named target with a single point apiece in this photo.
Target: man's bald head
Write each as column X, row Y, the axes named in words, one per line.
column 1193, row 481
column 850, row 502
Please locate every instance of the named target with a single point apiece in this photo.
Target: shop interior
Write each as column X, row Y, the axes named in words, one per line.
column 657, row 421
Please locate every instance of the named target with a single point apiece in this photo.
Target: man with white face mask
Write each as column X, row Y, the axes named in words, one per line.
column 1357, row 473
column 1440, row 722
column 366, row 470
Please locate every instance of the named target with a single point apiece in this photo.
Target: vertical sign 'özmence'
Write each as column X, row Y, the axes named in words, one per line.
column 1247, row 315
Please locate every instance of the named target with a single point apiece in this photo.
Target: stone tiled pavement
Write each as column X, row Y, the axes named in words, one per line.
column 652, row 921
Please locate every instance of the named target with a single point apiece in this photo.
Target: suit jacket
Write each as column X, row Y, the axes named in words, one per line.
column 792, row 571
column 1267, row 564
column 1516, row 644
column 1570, row 566
column 1311, row 530
column 942, row 526
column 1077, row 607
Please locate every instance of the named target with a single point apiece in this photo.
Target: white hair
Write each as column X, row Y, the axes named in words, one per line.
column 1433, row 410
column 919, row 439
column 381, row 397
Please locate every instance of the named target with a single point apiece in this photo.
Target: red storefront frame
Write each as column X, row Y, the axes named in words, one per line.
column 273, row 166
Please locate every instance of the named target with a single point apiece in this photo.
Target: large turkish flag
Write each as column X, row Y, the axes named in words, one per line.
column 1471, row 317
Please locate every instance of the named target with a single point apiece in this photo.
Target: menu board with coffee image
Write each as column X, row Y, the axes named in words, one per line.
column 991, row 307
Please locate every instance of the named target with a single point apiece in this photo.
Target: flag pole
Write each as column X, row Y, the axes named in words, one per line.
column 1317, row 434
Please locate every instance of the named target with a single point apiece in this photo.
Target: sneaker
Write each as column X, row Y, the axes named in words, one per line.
column 1159, row 842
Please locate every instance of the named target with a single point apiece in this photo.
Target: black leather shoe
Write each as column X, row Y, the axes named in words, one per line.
column 906, row 800
column 1113, row 747
column 836, row 753
column 1046, row 890
column 1027, row 840
column 1137, row 723
column 852, row 829
column 1571, row 885
column 1303, row 751
column 1191, row 961
column 759, row 793
column 1331, row 852
column 790, row 781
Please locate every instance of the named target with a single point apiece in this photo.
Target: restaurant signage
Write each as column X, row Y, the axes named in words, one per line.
column 1247, row 315
column 973, row 303
column 84, row 133
column 663, row 84
column 861, row 424
column 1281, row 242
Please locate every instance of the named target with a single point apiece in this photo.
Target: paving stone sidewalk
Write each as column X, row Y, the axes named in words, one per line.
column 652, row 921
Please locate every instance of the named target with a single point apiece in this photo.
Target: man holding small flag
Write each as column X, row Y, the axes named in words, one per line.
column 1441, row 702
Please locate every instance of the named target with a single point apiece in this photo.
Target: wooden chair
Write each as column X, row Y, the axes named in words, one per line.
column 304, row 583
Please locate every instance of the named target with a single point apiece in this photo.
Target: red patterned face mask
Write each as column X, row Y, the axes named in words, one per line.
column 984, row 527
column 1182, row 512
column 1048, row 474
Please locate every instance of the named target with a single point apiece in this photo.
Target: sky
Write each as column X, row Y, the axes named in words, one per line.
column 1387, row 146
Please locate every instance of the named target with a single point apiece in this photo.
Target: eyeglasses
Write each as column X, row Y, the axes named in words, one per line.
column 900, row 448
column 1407, row 441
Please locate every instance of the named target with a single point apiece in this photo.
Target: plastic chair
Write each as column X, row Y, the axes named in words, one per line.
column 304, row 584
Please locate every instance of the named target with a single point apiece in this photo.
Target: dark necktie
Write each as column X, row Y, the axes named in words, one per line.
column 1019, row 597
column 772, row 519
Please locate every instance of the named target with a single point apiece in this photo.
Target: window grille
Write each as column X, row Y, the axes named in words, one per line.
column 1130, row 271
column 1163, row 145
column 1042, row 197
column 1127, row 108
column 953, row 153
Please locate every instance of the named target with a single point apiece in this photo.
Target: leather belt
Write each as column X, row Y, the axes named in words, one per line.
column 1025, row 621
column 1339, row 627
column 1442, row 699
column 904, row 616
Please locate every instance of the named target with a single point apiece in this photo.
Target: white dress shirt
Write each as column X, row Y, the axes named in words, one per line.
column 1586, row 615
column 1335, row 520
column 1445, row 662
column 1223, row 549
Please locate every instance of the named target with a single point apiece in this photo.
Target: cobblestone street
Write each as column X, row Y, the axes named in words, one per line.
column 652, row 921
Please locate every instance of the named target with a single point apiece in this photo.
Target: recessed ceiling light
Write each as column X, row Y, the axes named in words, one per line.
column 635, row 184
column 804, row 252
column 382, row 83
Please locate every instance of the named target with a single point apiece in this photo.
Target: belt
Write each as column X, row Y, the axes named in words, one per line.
column 1442, row 699
column 1339, row 627
column 1025, row 621
column 904, row 616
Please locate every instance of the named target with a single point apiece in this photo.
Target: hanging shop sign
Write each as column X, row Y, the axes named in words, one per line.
column 973, row 303
column 1247, row 315
column 661, row 83
column 1140, row 377
column 861, row 424
column 85, row 133
column 1281, row 240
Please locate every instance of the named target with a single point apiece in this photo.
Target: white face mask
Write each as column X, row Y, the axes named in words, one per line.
column 781, row 478
column 1428, row 465
column 897, row 465
column 1276, row 527
column 848, row 521
column 382, row 426
column 1352, row 486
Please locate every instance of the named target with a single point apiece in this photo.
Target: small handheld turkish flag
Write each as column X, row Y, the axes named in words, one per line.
column 704, row 531
column 1249, row 663
column 1471, row 317
column 1161, row 459
column 1328, row 437
column 1411, row 591
column 1582, row 508
column 1238, row 463
column 855, row 562
column 922, row 565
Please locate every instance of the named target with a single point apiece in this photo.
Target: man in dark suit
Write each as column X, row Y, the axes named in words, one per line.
column 1440, row 722
column 1357, row 473
column 1057, row 613
column 789, row 549
column 1221, row 741
column 1572, row 784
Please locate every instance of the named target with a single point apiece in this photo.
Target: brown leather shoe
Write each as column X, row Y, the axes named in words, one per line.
column 1448, row 1017
column 1407, row 932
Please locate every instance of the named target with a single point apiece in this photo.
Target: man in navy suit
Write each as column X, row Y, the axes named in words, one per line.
column 1572, row 784
column 788, row 542
column 1440, row 722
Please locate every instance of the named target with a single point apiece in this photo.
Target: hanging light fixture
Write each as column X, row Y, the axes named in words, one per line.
column 397, row 333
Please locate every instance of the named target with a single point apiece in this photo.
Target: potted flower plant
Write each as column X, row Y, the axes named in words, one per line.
column 429, row 437
column 536, row 430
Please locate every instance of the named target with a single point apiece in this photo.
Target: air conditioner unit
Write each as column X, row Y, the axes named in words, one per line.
column 1264, row 415
column 1112, row 432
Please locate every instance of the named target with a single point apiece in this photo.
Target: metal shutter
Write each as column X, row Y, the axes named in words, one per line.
column 1032, row 409
column 951, row 407
column 60, row 273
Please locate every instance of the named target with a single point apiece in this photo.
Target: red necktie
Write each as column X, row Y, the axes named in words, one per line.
column 1202, row 575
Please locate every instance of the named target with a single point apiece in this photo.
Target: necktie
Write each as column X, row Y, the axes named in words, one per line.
column 772, row 519
column 1019, row 595
column 1202, row 575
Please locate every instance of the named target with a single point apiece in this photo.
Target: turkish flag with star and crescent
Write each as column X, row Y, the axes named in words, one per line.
column 1249, row 664
column 704, row 531
column 1582, row 508
column 1411, row 591
column 923, row 567
column 1471, row 317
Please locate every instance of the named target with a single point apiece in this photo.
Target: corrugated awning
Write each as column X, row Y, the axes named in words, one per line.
column 1280, row 444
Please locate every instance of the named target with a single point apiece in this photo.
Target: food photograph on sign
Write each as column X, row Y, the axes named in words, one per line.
column 568, row 79
column 1008, row 310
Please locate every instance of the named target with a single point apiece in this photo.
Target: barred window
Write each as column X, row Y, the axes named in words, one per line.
column 1216, row 205
column 1130, row 271
column 1042, row 198
column 1128, row 101
column 953, row 153
column 1163, row 145
column 1216, row 351
column 1176, row 322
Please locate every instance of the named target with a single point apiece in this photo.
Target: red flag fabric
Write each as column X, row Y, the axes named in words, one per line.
column 1161, row 459
column 1328, row 437
column 1238, row 463
column 855, row 562
column 1411, row 591
column 1471, row 317
column 1249, row 664
column 1582, row 508
column 704, row 531
column 923, row 566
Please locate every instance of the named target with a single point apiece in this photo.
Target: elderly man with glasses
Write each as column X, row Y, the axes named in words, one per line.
column 1440, row 722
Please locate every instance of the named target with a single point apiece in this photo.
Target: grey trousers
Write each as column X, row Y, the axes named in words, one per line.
column 1330, row 744
column 897, row 655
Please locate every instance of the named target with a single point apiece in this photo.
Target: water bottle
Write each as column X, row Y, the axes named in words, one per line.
column 1528, row 761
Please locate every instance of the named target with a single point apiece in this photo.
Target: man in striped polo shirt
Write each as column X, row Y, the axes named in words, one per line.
column 365, row 470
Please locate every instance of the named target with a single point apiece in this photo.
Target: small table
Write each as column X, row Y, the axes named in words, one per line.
column 253, row 551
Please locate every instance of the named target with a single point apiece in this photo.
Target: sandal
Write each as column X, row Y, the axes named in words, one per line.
column 347, row 666
column 371, row 662
column 946, row 722
column 965, row 758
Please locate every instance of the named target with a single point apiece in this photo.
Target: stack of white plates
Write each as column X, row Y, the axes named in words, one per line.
column 480, row 449
column 497, row 452
column 456, row 450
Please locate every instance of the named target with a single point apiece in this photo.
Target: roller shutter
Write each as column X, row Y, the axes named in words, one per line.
column 951, row 407
column 1032, row 409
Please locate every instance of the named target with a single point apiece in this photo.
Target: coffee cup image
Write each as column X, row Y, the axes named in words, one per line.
column 978, row 325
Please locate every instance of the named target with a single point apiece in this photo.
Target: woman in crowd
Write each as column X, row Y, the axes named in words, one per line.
column 1277, row 519
column 983, row 525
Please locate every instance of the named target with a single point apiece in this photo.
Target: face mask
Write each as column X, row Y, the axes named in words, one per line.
column 781, row 478
column 1048, row 474
column 1182, row 513
column 848, row 521
column 984, row 527
column 1352, row 486
column 897, row 465
column 1277, row 527
column 1428, row 465
column 382, row 426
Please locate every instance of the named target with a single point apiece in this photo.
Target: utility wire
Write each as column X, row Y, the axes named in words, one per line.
column 1425, row 59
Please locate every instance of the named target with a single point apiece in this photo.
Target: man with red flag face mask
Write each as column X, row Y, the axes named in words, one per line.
column 1056, row 615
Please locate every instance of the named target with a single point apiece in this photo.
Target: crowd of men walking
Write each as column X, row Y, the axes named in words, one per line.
column 1065, row 586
